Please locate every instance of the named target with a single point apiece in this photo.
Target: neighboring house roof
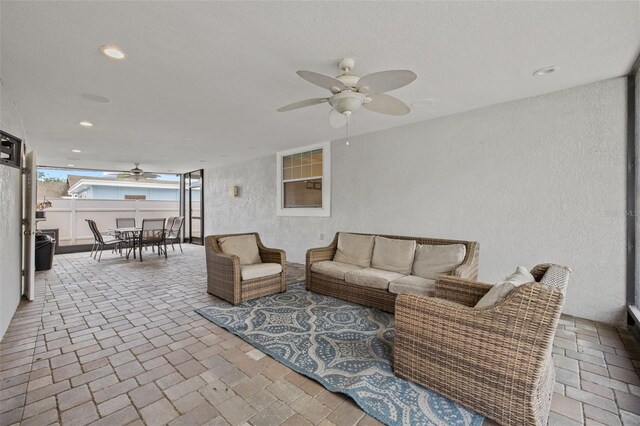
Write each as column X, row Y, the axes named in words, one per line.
column 52, row 189
column 80, row 183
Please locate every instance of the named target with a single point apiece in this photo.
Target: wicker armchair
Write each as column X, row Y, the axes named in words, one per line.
column 224, row 278
column 496, row 360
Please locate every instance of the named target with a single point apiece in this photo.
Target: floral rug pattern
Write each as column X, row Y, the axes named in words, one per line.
column 345, row 347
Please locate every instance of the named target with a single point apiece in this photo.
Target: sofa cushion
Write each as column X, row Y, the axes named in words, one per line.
column 371, row 277
column 354, row 249
column 413, row 284
column 431, row 261
column 243, row 246
column 259, row 270
column 503, row 287
column 334, row 269
column 393, row 255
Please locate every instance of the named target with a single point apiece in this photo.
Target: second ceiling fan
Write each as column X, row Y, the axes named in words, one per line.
column 350, row 92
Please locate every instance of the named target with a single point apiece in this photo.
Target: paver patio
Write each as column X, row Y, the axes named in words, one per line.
column 118, row 342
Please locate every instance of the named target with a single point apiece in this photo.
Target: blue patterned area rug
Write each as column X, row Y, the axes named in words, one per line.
column 345, row 347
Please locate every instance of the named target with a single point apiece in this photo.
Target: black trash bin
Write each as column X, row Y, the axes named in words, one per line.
column 45, row 247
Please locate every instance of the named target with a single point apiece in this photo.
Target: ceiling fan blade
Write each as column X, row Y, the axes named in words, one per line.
column 385, row 81
column 336, row 119
column 150, row 175
column 324, row 81
column 302, row 104
column 386, row 104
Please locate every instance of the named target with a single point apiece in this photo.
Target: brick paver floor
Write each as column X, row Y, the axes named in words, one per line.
column 118, row 342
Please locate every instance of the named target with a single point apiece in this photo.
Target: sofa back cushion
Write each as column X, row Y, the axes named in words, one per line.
column 431, row 261
column 503, row 287
column 354, row 249
column 243, row 246
column 393, row 255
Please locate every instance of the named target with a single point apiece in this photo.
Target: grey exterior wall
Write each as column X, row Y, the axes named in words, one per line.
column 10, row 222
column 536, row 180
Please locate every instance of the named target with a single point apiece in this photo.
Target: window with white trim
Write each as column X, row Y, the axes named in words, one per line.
column 304, row 185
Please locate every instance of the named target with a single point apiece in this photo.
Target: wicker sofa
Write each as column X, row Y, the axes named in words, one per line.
column 231, row 280
column 494, row 360
column 380, row 298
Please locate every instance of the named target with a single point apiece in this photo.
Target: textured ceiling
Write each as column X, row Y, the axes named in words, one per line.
column 202, row 80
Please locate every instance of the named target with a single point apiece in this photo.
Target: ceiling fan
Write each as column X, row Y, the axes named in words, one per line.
column 350, row 92
column 136, row 173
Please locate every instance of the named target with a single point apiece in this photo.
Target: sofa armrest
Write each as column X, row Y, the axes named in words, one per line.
column 469, row 266
column 480, row 357
column 320, row 254
column 460, row 290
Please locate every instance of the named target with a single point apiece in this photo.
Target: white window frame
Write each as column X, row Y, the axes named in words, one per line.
column 325, row 210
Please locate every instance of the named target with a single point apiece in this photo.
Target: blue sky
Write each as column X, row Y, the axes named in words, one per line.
column 59, row 173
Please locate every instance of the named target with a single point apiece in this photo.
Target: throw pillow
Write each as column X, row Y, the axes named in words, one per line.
column 502, row 288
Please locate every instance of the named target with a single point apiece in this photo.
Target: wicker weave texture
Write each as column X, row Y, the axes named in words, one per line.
column 223, row 272
column 496, row 361
column 377, row 298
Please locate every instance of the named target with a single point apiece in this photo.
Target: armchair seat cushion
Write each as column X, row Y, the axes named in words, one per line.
column 413, row 284
column 243, row 246
column 333, row 269
column 259, row 270
column 371, row 277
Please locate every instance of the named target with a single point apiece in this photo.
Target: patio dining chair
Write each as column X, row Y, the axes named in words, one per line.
column 101, row 241
column 126, row 222
column 174, row 232
column 152, row 234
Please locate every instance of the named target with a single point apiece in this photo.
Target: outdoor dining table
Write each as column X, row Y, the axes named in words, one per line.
column 130, row 234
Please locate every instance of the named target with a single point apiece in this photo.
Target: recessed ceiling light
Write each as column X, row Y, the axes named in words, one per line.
column 75, row 150
column 545, row 71
column 252, row 147
column 71, row 165
column 224, row 155
column 86, row 124
column 112, row 52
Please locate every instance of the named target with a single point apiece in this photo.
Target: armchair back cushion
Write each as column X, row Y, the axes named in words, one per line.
column 354, row 249
column 393, row 255
column 503, row 287
column 243, row 246
column 431, row 261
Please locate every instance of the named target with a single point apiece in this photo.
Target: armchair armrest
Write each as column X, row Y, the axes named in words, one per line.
column 223, row 272
column 271, row 255
column 494, row 360
column 460, row 290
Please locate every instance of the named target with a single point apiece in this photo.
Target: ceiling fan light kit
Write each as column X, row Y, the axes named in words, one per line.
column 350, row 92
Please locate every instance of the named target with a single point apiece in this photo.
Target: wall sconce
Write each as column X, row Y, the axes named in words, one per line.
column 233, row 191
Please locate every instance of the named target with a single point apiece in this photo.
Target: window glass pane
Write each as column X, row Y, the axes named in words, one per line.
column 317, row 156
column 296, row 173
column 306, row 158
column 316, row 170
column 287, row 161
column 288, row 174
column 303, row 194
column 296, row 159
column 306, row 171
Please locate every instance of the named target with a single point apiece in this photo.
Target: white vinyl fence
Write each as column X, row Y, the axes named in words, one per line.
column 68, row 216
